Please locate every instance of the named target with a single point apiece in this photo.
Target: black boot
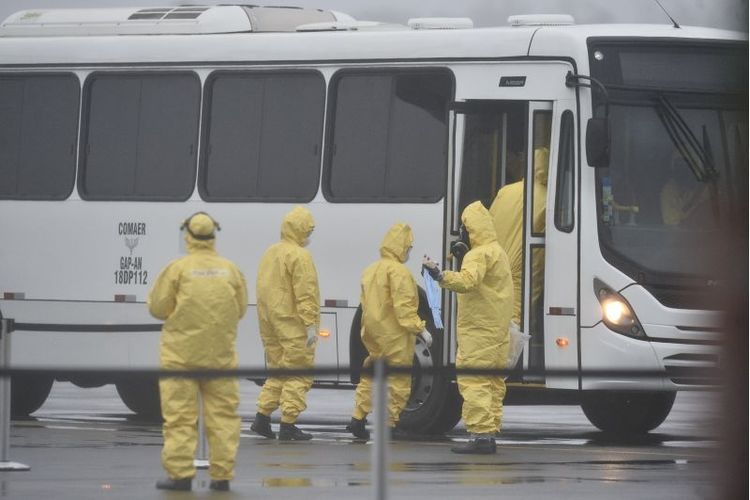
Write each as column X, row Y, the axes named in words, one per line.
column 290, row 432
column 262, row 425
column 175, row 484
column 398, row 434
column 219, row 484
column 357, row 427
column 484, row 445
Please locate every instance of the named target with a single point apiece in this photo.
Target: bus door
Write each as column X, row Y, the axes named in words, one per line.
column 492, row 145
column 534, row 229
column 561, row 284
column 508, row 145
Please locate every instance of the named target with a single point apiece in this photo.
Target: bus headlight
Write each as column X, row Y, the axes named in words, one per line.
column 617, row 313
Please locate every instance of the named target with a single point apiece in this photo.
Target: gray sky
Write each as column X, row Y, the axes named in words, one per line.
column 725, row 14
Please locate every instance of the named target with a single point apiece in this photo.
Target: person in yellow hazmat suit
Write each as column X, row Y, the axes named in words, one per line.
column 485, row 302
column 289, row 317
column 390, row 325
column 201, row 297
column 684, row 199
column 507, row 214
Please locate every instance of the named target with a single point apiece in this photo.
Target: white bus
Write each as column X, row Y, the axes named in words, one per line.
column 116, row 124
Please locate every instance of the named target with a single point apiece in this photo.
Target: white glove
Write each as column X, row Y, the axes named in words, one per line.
column 429, row 263
column 426, row 338
column 432, row 268
column 312, row 335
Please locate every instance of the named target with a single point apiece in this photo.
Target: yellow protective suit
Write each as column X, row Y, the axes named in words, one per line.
column 485, row 303
column 288, row 303
column 201, row 298
column 680, row 202
column 507, row 214
column 390, row 321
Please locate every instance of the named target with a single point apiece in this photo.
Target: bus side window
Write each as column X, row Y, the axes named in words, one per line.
column 564, row 190
column 38, row 129
column 140, row 136
column 388, row 134
column 264, row 136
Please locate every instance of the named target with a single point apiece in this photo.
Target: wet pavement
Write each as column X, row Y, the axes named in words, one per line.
column 84, row 444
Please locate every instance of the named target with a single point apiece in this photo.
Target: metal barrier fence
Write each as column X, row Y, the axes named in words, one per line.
column 708, row 375
column 379, row 371
column 5, row 463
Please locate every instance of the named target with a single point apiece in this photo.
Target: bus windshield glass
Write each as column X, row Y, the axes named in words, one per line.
column 678, row 157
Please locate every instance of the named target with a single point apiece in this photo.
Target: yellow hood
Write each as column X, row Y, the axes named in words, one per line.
column 397, row 242
column 297, row 225
column 478, row 222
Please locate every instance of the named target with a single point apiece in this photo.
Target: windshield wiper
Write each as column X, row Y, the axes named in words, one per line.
column 698, row 156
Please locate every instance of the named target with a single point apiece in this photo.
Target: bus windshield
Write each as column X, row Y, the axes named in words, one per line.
column 678, row 158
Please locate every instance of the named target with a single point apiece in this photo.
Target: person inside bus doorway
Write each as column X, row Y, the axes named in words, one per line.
column 289, row 317
column 507, row 215
column 390, row 324
column 485, row 303
column 201, row 297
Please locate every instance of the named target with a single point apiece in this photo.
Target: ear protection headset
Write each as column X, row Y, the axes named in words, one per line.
column 461, row 246
column 186, row 227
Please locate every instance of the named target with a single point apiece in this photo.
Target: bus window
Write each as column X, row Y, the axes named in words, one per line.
column 389, row 136
column 263, row 136
column 564, row 193
column 542, row 135
column 140, row 136
column 38, row 136
column 536, row 308
column 494, row 150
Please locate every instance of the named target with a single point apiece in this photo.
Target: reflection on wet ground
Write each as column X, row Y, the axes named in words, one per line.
column 475, row 466
column 80, row 459
column 479, row 473
column 304, row 482
column 127, row 430
column 541, row 454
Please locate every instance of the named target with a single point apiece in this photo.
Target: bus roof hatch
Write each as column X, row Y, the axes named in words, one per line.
column 541, row 20
column 161, row 20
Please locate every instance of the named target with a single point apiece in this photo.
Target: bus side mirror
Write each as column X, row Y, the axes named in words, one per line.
column 597, row 142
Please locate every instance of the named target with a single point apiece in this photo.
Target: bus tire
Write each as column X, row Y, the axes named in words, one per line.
column 141, row 396
column 627, row 413
column 430, row 408
column 28, row 393
column 357, row 350
column 450, row 413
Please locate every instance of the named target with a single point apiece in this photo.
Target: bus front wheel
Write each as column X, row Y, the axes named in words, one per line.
column 141, row 395
column 627, row 413
column 449, row 411
column 434, row 406
column 28, row 393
